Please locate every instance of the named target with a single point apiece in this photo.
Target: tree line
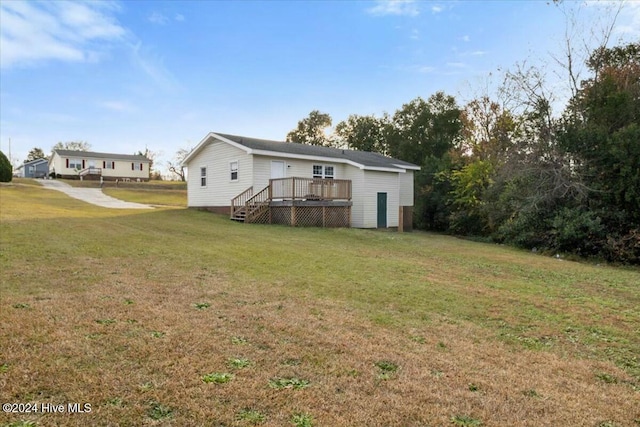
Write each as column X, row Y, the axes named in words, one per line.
column 567, row 183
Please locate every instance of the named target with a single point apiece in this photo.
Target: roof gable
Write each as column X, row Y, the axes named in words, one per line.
column 361, row 159
column 35, row 162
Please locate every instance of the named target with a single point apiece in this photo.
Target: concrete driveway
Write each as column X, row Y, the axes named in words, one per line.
column 95, row 196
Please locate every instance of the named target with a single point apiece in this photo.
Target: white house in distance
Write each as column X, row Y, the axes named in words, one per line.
column 257, row 180
column 90, row 165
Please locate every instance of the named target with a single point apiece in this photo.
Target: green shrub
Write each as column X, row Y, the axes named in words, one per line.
column 578, row 231
column 6, row 171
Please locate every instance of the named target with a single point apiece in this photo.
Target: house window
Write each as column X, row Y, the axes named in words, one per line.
column 108, row 165
column 322, row 171
column 203, row 177
column 328, row 172
column 233, row 167
column 75, row 164
column 136, row 166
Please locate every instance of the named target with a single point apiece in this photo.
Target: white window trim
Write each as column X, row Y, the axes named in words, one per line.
column 324, row 170
column 203, row 169
column 237, row 171
column 75, row 164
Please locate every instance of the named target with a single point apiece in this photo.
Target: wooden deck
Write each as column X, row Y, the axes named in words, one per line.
column 297, row 202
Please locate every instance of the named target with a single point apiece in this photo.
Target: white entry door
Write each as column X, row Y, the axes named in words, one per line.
column 277, row 169
column 278, row 187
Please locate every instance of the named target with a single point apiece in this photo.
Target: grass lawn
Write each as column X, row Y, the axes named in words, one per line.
column 180, row 317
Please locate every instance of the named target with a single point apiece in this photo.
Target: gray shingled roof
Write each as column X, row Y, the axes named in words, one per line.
column 365, row 158
column 109, row 156
column 31, row 162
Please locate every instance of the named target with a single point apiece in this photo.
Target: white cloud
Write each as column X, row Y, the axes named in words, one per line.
column 425, row 69
column 437, row 9
column 118, row 106
column 465, row 38
column 394, row 7
column 161, row 19
column 421, row 69
column 415, row 34
column 66, row 31
column 153, row 66
column 158, row 18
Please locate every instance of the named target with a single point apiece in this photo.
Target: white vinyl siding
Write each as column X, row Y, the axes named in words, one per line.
column 216, row 157
column 406, row 188
column 380, row 182
column 357, row 196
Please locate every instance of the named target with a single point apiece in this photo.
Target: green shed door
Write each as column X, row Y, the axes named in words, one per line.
column 382, row 210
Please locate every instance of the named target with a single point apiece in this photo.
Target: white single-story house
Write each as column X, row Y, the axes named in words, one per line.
column 38, row 168
column 90, row 165
column 264, row 181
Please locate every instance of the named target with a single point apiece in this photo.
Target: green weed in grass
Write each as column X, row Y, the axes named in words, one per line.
column 202, row 305
column 157, row 334
column 531, row 393
column 418, row 339
column 607, row 378
column 158, row 411
column 237, row 340
column 4, row 368
column 146, row 386
column 116, row 401
column 21, row 305
column 302, row 420
column 293, row 383
column 217, row 377
column 238, row 363
column 105, row 321
column 251, row 416
column 23, row 423
column 465, row 421
column 386, row 369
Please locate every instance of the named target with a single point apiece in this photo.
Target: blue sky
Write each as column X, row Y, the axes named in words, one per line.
column 125, row 75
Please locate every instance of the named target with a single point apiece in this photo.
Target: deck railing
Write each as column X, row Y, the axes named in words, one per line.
column 309, row 189
column 90, row 171
column 257, row 204
column 238, row 202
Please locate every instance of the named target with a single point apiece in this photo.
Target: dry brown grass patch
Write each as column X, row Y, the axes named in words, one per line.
column 60, row 351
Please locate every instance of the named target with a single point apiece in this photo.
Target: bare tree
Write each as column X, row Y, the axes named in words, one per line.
column 175, row 166
column 582, row 37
